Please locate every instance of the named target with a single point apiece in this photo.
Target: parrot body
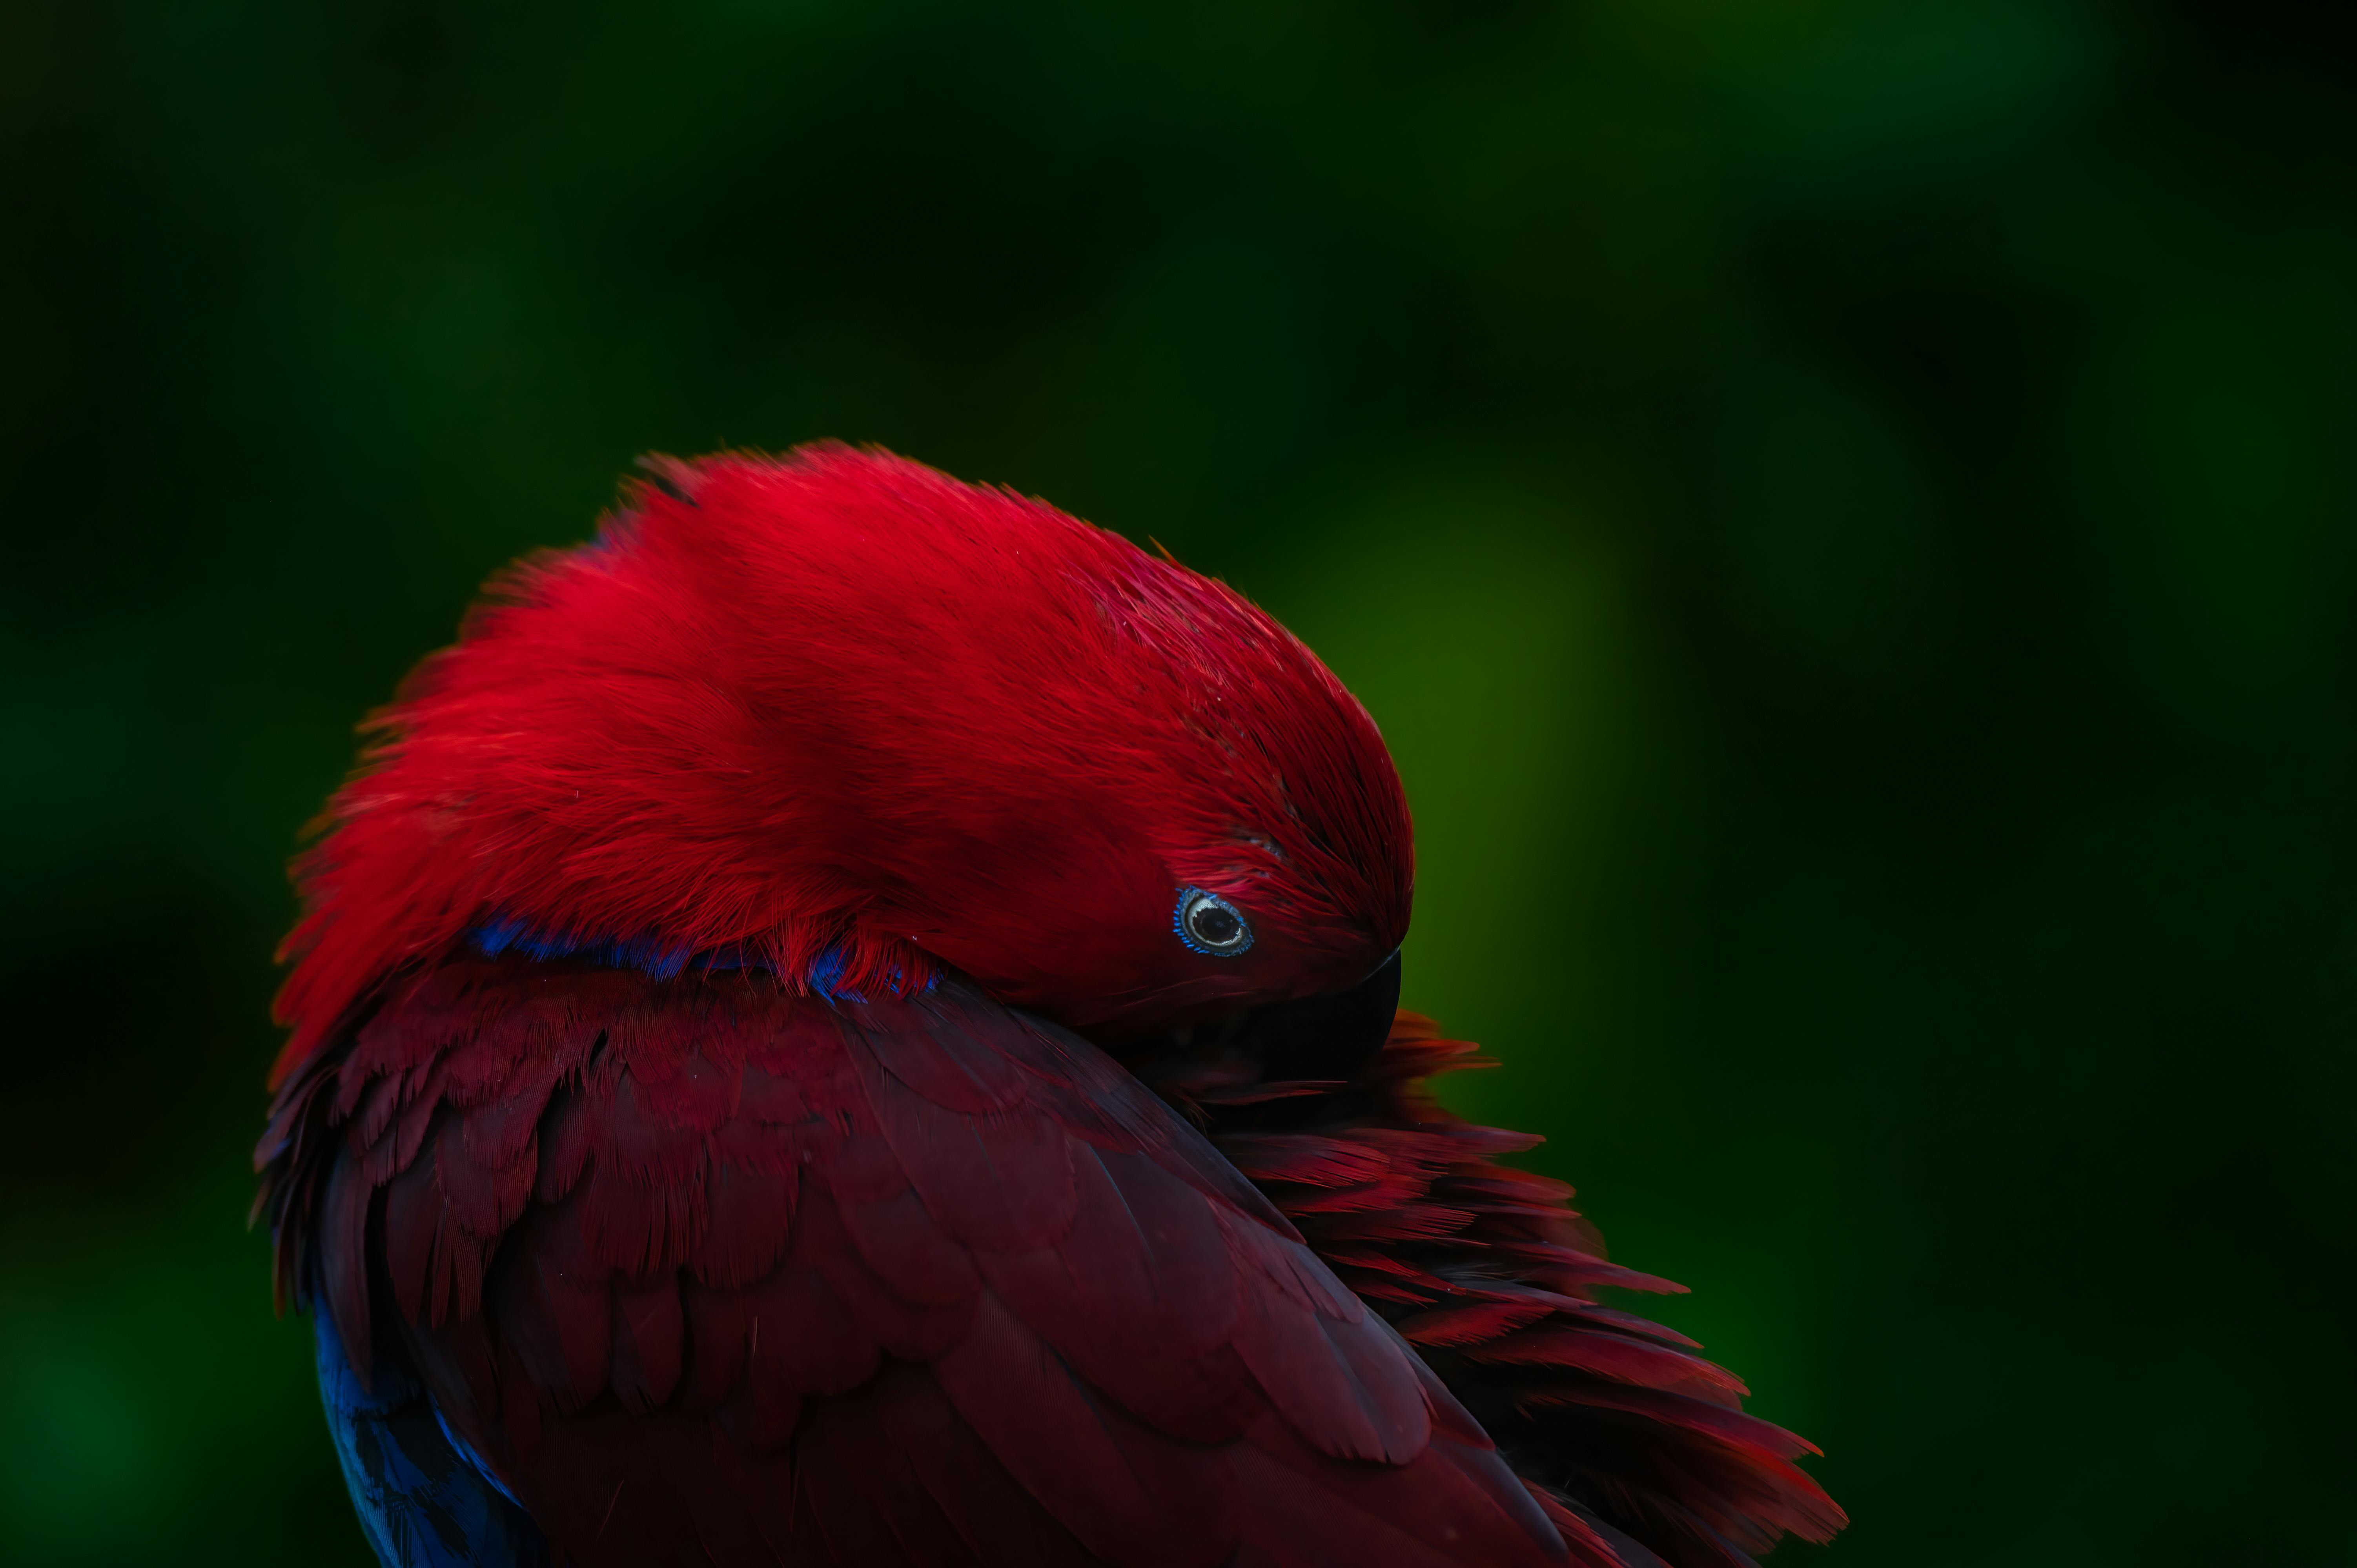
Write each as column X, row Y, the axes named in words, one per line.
column 853, row 1021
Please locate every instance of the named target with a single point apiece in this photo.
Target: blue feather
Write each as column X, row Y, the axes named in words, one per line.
column 505, row 933
column 424, row 1497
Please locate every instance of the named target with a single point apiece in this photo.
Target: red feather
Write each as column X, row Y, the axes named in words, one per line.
column 1491, row 1274
column 756, row 1221
column 968, row 1292
column 842, row 705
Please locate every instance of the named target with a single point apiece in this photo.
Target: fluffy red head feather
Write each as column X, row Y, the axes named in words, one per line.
column 840, row 714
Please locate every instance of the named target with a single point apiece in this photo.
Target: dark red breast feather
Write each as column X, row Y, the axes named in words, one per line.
column 1489, row 1273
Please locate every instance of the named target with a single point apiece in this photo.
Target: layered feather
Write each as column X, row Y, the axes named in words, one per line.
column 707, row 1271
column 1639, row 1444
column 804, row 1237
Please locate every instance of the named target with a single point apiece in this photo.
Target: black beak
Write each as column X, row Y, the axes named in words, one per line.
column 1320, row 1038
column 1274, row 1064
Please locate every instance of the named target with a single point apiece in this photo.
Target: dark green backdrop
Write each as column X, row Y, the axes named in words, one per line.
column 1843, row 510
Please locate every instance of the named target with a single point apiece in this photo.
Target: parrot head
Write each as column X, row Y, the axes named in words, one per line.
column 842, row 717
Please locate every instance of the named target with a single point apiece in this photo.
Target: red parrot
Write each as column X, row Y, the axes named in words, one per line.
column 853, row 1020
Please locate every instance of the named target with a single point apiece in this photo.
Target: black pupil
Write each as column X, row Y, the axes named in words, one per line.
column 1214, row 927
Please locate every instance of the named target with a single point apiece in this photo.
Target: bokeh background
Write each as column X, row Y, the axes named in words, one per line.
column 1842, row 507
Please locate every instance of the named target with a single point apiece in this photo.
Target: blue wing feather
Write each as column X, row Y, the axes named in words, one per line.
column 425, row 1499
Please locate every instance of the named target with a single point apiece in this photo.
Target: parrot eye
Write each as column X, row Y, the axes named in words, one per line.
column 1211, row 925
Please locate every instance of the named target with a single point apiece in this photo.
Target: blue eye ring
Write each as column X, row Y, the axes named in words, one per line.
column 1210, row 925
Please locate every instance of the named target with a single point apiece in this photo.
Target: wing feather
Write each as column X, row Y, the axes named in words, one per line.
column 709, row 1272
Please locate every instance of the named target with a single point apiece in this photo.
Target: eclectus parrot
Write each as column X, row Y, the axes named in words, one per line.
column 853, row 1020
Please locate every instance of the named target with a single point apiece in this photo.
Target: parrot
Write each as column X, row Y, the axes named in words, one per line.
column 852, row 1020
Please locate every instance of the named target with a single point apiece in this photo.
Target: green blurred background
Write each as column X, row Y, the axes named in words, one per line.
column 1843, row 510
